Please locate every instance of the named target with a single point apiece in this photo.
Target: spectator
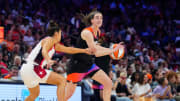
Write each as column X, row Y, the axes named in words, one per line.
column 9, row 20
column 6, row 60
column 120, row 66
column 142, row 89
column 134, row 79
column 17, row 62
column 157, row 75
column 149, row 78
column 9, row 43
column 3, row 66
column 13, row 74
column 163, row 91
column 62, row 65
column 28, row 38
column 16, row 51
column 121, row 88
column 15, row 33
column 156, row 61
column 171, row 76
column 136, row 62
column 87, row 90
column 177, row 97
column 29, row 49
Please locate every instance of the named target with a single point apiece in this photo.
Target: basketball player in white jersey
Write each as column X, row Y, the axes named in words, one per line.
column 33, row 72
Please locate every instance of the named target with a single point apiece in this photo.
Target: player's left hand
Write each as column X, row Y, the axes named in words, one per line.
column 50, row 63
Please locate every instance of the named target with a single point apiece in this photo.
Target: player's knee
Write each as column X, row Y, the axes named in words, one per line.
column 61, row 81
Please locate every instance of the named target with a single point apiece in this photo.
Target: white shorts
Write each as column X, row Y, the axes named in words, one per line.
column 30, row 78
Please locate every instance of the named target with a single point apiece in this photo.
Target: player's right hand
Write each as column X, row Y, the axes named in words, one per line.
column 50, row 63
column 120, row 45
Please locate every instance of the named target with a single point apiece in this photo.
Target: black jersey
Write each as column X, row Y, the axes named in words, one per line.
column 103, row 61
column 81, row 62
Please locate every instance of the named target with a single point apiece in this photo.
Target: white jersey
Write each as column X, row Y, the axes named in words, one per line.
column 33, row 72
column 36, row 56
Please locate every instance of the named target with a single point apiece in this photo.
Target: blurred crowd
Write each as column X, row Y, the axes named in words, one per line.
column 150, row 30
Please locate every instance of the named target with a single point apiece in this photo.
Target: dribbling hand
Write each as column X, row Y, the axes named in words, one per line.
column 120, row 45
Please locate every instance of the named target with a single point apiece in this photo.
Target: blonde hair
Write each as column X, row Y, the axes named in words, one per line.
column 16, row 57
column 124, row 74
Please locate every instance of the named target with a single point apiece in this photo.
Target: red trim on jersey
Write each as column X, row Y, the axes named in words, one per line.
column 41, row 72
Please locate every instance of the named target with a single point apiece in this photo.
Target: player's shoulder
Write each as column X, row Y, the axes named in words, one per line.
column 47, row 40
column 86, row 32
column 88, row 29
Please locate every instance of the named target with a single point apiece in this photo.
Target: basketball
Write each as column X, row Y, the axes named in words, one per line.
column 117, row 54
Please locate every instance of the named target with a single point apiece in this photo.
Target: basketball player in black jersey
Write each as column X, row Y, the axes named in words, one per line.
column 82, row 65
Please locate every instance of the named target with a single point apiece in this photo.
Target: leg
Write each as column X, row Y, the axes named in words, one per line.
column 60, row 81
column 70, row 88
column 34, row 93
column 102, row 78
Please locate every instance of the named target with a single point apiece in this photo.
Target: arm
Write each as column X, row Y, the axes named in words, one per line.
column 129, row 90
column 121, row 94
column 47, row 44
column 115, row 85
column 88, row 37
column 145, row 93
column 102, row 51
column 70, row 50
column 165, row 94
column 148, row 90
column 98, row 50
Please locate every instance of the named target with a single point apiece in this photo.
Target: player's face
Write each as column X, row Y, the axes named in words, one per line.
column 97, row 20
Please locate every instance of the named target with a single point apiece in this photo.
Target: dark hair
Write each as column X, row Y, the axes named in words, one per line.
column 86, row 19
column 133, row 79
column 52, row 28
column 161, row 80
column 154, row 73
column 141, row 78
